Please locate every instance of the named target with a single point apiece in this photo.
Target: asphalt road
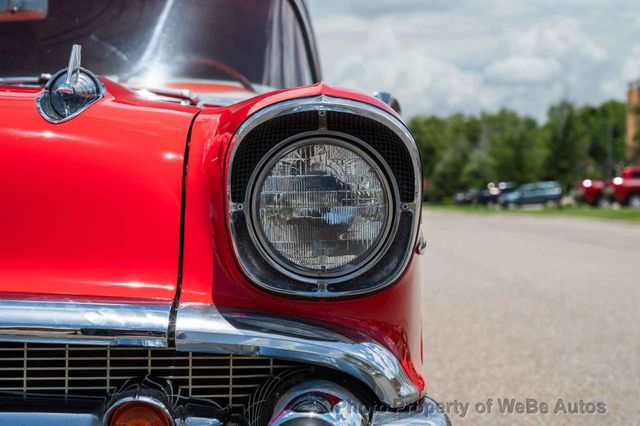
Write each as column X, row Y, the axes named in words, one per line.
column 532, row 307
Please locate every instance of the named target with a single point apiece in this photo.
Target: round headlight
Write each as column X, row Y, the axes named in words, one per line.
column 321, row 207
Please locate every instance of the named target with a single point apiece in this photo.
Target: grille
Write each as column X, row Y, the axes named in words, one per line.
column 94, row 371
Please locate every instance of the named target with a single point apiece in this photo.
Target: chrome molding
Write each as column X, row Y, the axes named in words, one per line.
column 426, row 413
column 344, row 409
column 73, row 85
column 29, row 409
column 203, row 328
column 328, row 103
column 153, row 402
column 85, row 323
column 302, row 11
column 421, row 245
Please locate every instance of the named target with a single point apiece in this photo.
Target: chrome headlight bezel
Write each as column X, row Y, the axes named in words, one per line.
column 299, row 273
column 376, row 131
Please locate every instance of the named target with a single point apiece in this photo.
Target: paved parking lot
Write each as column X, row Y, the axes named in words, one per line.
column 532, row 307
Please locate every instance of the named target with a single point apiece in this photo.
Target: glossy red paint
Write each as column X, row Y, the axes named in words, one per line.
column 210, row 272
column 91, row 207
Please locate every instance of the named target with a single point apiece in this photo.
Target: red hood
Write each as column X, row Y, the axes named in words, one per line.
column 91, row 207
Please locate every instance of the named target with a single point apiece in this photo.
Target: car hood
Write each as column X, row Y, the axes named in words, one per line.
column 91, row 207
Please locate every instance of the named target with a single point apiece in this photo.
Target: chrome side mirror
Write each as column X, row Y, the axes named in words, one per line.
column 390, row 100
column 23, row 10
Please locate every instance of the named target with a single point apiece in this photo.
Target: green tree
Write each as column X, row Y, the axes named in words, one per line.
column 516, row 151
column 563, row 143
column 602, row 129
column 461, row 152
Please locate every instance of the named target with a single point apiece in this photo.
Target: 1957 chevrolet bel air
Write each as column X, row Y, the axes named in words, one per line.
column 194, row 229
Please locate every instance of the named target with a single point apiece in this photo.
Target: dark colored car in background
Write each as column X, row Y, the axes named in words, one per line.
column 493, row 191
column 469, row 197
column 548, row 192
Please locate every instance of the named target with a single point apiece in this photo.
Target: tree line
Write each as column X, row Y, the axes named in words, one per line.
column 468, row 151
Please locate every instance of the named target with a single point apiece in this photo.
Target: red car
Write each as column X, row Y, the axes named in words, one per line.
column 195, row 230
column 625, row 189
column 590, row 191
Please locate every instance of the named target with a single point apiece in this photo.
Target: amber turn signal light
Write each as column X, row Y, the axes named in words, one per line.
column 139, row 413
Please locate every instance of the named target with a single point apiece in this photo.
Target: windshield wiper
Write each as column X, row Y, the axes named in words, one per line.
column 31, row 81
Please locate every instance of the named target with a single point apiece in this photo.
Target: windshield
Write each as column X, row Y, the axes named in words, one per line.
column 154, row 42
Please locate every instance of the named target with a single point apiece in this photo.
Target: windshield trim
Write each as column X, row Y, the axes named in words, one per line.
column 302, row 13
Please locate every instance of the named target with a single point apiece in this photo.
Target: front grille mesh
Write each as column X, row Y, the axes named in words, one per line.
column 385, row 142
column 96, row 371
column 260, row 140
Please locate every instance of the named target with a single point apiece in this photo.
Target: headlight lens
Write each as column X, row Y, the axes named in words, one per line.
column 321, row 209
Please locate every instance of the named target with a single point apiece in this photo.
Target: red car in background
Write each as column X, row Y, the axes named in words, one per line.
column 195, row 229
column 590, row 191
column 625, row 189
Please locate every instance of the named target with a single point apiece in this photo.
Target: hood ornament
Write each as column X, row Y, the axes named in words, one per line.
column 70, row 91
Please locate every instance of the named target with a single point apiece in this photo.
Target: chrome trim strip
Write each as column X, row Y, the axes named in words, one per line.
column 346, row 410
column 84, row 323
column 309, row 36
column 49, row 419
column 138, row 398
column 329, row 103
column 426, row 413
column 28, row 409
column 203, row 328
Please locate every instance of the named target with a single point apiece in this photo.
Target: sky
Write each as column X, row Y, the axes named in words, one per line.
column 446, row 56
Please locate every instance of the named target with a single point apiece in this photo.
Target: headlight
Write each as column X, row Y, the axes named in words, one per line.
column 321, row 207
column 324, row 197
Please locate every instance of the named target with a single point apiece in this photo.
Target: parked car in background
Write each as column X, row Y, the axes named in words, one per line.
column 547, row 193
column 493, row 191
column 591, row 191
column 625, row 189
column 469, row 197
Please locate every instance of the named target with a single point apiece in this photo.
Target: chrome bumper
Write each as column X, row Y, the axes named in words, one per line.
column 86, row 413
column 426, row 413
column 17, row 411
column 32, row 411
column 208, row 329
column 204, row 328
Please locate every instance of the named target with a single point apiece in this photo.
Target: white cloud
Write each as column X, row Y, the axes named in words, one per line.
column 522, row 69
column 557, row 37
column 631, row 67
column 440, row 57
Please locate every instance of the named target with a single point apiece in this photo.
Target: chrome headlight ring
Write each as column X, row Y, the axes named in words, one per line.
column 367, row 259
column 382, row 139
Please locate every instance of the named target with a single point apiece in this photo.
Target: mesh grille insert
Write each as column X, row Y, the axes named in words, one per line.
column 95, row 371
column 260, row 140
column 383, row 140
